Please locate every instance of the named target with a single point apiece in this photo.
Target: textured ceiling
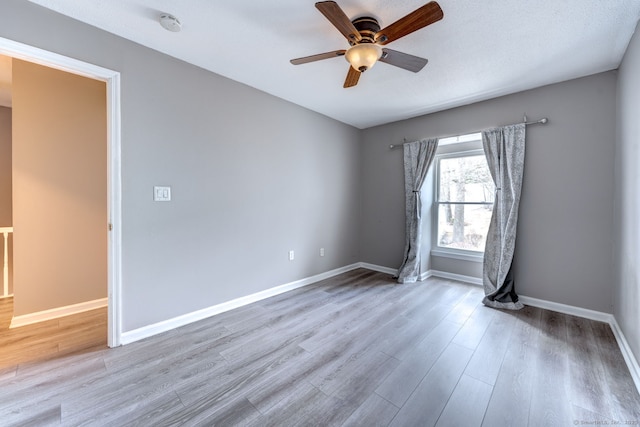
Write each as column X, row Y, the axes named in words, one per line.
column 480, row 50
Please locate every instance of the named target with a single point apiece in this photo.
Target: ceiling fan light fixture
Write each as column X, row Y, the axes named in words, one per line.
column 363, row 56
column 365, row 37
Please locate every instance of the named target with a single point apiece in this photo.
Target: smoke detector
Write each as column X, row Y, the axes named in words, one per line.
column 170, row 23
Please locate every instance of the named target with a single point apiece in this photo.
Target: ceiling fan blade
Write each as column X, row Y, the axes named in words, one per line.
column 419, row 18
column 318, row 57
column 352, row 77
column 403, row 60
column 337, row 17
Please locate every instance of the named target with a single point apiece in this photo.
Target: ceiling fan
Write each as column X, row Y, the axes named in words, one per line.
column 365, row 37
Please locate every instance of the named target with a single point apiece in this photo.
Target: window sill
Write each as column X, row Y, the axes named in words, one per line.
column 463, row 256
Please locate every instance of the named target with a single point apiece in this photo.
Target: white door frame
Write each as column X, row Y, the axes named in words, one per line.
column 112, row 80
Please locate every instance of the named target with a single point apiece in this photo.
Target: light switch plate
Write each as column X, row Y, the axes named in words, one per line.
column 162, row 194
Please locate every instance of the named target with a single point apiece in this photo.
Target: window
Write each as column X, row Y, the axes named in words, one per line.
column 472, row 137
column 464, row 201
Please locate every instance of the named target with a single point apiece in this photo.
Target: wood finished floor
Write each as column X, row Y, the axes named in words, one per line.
column 49, row 339
column 353, row 350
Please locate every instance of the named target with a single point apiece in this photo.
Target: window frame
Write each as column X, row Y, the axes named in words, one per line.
column 437, row 250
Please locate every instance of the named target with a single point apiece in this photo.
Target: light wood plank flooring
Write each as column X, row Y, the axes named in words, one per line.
column 353, row 350
column 50, row 339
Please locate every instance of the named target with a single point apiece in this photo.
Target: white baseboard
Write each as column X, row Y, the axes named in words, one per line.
column 378, row 268
column 167, row 325
column 629, row 358
column 632, row 362
column 452, row 276
column 567, row 309
column 176, row 322
column 54, row 313
column 425, row 275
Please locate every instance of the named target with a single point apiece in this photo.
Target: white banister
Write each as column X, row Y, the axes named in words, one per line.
column 5, row 271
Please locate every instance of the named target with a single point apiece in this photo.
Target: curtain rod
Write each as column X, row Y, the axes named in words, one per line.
column 524, row 121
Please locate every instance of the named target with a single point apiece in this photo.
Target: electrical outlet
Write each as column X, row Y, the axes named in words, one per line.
column 321, row 251
column 291, row 256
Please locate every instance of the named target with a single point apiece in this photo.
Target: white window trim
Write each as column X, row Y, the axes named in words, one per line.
column 439, row 251
column 471, row 137
column 460, row 254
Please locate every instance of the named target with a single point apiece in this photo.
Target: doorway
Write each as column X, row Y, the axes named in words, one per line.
column 112, row 81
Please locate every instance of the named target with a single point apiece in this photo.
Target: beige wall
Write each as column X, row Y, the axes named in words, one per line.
column 59, row 188
column 5, row 184
column 5, row 167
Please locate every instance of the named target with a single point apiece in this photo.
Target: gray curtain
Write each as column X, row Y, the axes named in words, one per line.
column 504, row 148
column 418, row 156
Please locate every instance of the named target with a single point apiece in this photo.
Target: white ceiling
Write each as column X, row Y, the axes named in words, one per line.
column 480, row 50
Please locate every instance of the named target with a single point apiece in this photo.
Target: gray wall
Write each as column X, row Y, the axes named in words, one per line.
column 566, row 213
column 252, row 176
column 626, row 289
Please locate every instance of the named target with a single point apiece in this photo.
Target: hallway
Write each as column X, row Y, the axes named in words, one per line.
column 49, row 339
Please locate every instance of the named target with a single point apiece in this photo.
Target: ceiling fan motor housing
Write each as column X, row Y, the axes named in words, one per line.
column 368, row 27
